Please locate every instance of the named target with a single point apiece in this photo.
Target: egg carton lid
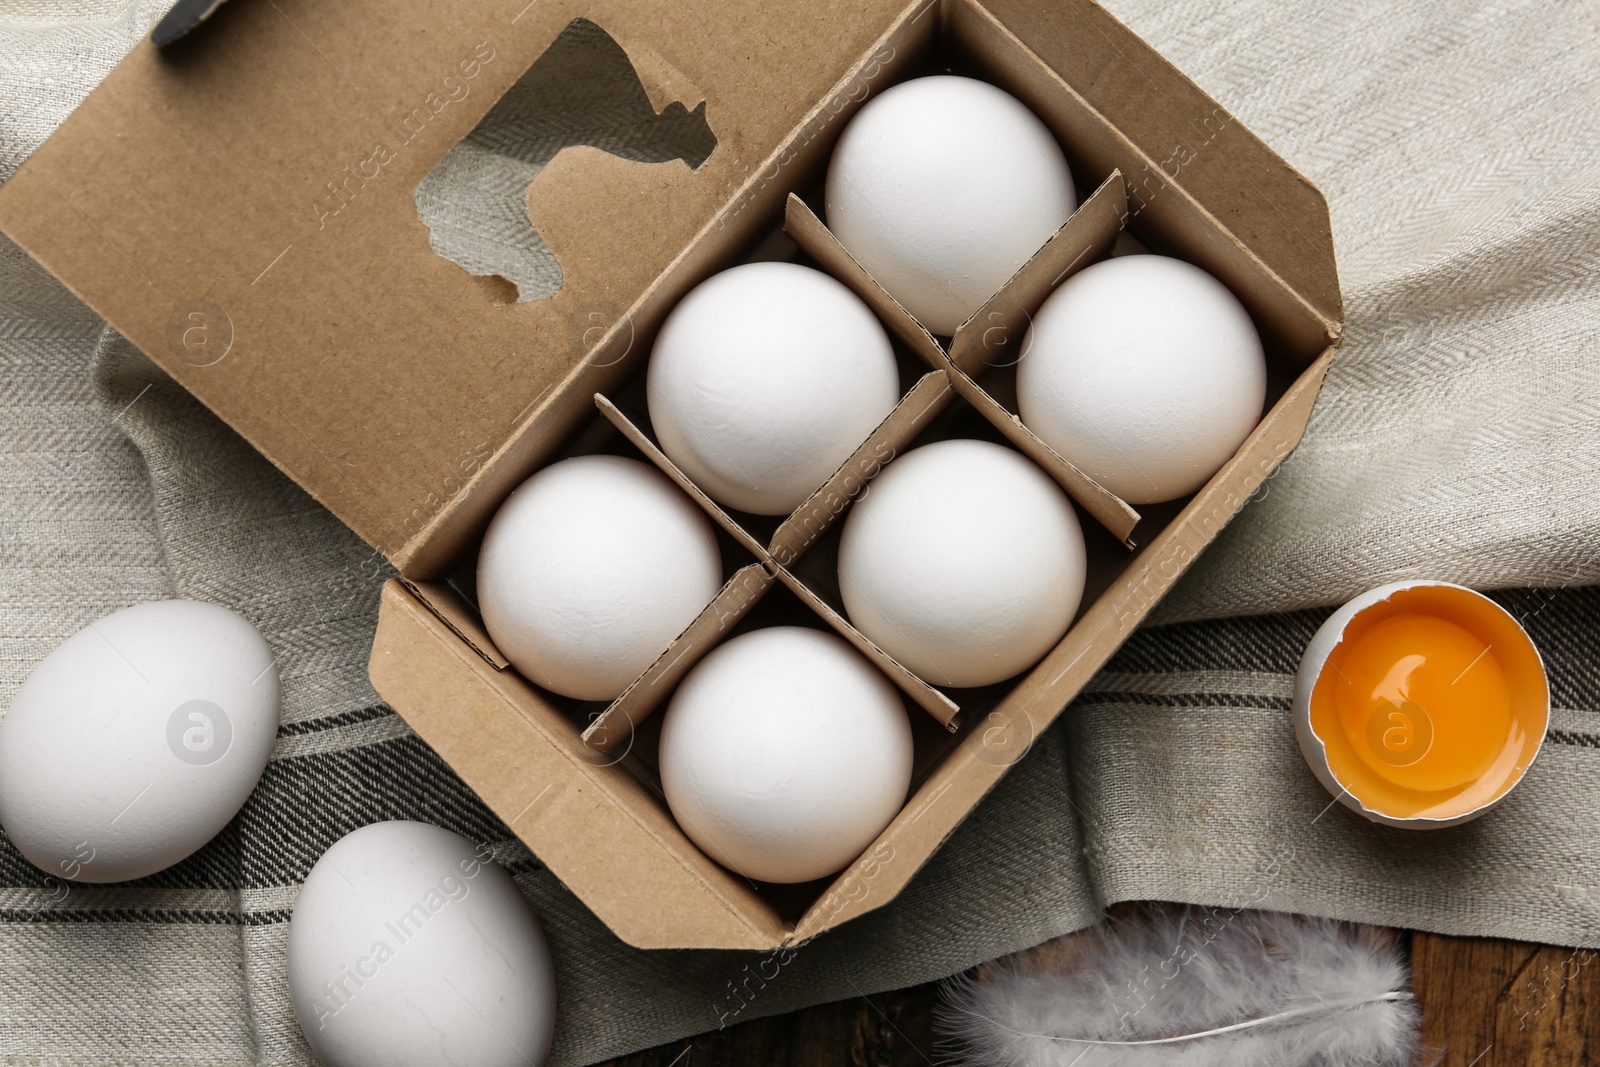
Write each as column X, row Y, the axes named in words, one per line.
column 189, row 200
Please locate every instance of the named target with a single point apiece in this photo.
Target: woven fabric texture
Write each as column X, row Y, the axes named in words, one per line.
column 1459, row 147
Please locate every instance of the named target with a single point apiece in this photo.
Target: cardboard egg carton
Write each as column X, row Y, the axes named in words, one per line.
column 269, row 255
column 1085, row 238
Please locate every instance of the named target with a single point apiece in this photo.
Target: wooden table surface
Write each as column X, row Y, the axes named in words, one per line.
column 1485, row 1004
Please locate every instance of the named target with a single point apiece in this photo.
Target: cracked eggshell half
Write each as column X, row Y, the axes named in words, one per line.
column 1420, row 704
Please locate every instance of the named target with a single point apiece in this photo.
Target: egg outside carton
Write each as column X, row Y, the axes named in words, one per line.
column 1002, row 723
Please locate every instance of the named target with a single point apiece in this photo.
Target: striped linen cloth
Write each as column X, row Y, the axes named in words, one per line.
column 1459, row 147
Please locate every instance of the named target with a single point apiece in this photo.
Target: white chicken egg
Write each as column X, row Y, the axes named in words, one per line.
column 784, row 753
column 941, row 188
column 408, row 947
column 964, row 561
column 764, row 379
column 136, row 740
column 590, row 569
column 1145, row 372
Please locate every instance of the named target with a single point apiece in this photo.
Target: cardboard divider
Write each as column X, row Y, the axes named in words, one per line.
column 1166, row 215
column 925, row 400
column 1000, row 324
column 462, row 618
column 614, row 727
column 927, row 397
column 812, row 235
column 652, row 451
column 1083, row 239
column 931, row 395
column 1107, row 508
column 815, row 574
column 926, row 696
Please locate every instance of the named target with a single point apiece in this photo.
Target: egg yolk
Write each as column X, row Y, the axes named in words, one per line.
column 1431, row 704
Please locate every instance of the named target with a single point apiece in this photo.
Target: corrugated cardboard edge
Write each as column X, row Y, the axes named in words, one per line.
column 1082, row 238
column 998, row 327
column 648, row 884
column 921, row 405
column 454, row 611
column 614, row 727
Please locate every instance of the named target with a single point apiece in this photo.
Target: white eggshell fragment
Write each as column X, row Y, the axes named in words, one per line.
column 1312, row 661
column 784, row 753
column 764, row 379
column 1145, row 372
column 590, row 569
column 136, row 740
column 964, row 561
column 941, row 188
column 408, row 947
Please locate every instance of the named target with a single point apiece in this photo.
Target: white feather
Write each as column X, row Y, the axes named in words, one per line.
column 1170, row 971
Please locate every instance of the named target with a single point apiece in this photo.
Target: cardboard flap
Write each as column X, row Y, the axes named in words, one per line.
column 452, row 608
column 1183, row 144
column 560, row 796
column 241, row 207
